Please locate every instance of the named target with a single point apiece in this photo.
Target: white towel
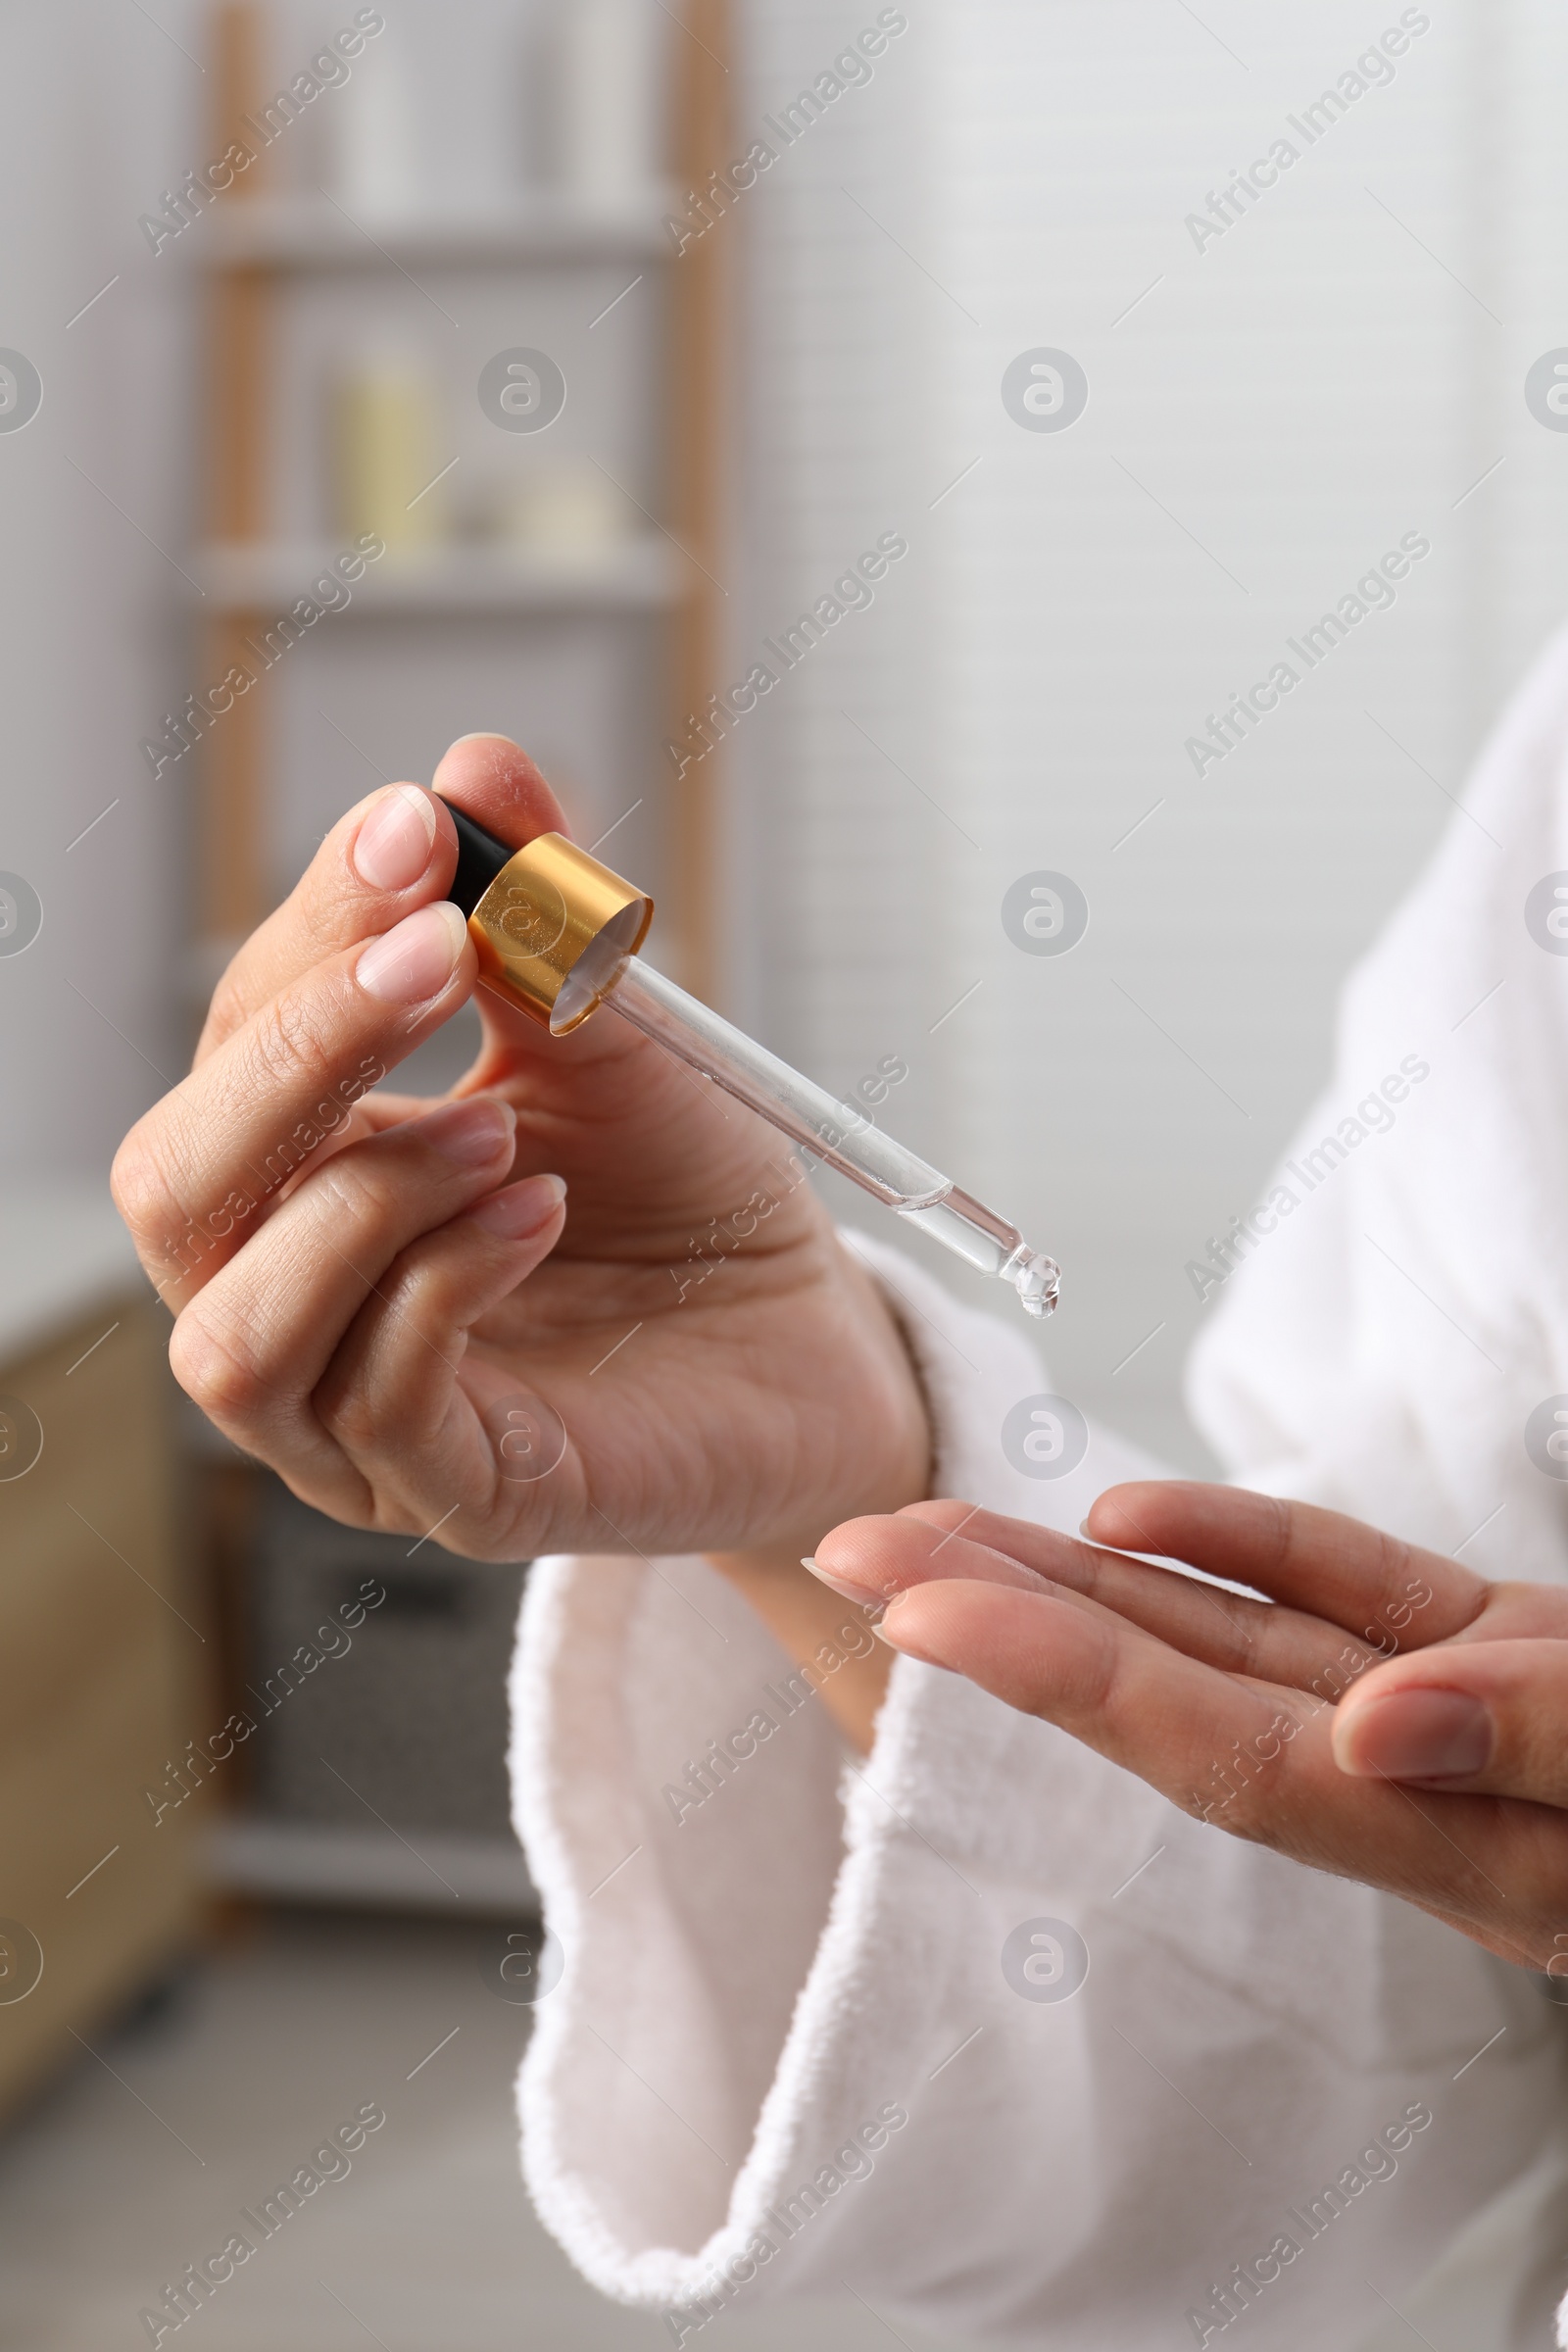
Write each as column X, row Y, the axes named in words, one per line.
column 789, row 2052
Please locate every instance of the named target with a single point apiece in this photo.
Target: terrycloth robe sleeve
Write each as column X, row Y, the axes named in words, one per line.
column 984, row 2031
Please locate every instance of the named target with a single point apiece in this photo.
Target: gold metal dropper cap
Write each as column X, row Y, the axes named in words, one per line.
column 547, row 908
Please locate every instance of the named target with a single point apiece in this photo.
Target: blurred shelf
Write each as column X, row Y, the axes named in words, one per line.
column 436, row 1870
column 64, row 1255
column 316, row 232
column 643, row 573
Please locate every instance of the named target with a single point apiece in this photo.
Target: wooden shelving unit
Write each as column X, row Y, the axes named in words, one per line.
column 311, row 232
column 645, row 574
column 256, row 242
column 263, row 247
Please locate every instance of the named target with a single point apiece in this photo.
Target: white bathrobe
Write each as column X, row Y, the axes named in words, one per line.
column 791, row 2051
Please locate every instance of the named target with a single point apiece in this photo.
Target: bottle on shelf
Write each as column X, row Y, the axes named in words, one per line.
column 376, row 155
column 568, row 510
column 387, row 453
column 606, row 110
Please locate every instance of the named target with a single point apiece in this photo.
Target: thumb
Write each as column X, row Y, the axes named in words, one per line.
column 1485, row 1716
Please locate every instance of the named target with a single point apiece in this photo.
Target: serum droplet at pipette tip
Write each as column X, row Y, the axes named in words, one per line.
column 1037, row 1279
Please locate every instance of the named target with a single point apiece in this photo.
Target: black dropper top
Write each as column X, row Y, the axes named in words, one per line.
column 480, row 857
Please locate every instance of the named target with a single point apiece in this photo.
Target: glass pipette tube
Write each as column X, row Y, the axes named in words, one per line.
column 556, row 934
column 838, row 1133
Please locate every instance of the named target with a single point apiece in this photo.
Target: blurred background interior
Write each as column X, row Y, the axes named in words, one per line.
column 493, row 297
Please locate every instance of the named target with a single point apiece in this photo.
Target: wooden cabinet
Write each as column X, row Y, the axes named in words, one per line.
column 102, row 1682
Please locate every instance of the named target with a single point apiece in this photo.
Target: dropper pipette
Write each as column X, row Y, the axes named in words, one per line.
column 558, row 935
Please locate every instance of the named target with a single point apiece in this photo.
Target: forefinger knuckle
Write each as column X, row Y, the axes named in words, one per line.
column 136, row 1184
column 144, row 1188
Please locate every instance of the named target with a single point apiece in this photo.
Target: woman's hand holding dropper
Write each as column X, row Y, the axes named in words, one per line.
column 585, row 1262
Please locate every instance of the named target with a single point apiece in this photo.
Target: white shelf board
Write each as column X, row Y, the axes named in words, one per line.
column 641, row 573
column 64, row 1255
column 308, row 1862
column 314, row 232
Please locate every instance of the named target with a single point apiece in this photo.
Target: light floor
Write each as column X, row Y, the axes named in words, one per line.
column 137, row 2162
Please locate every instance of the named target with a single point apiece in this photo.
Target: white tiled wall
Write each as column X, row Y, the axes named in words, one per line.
column 1267, row 415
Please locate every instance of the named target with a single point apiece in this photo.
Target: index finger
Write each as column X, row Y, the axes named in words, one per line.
column 934, row 1542
column 1370, row 1582
column 219, row 1150
column 391, row 853
column 1242, row 1756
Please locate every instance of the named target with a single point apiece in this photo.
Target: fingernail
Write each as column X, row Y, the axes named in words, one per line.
column 1083, row 1529
column 417, row 958
column 1419, row 1736
column 840, row 1584
column 392, row 848
column 468, row 1133
column 899, row 1650
column 522, row 1208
